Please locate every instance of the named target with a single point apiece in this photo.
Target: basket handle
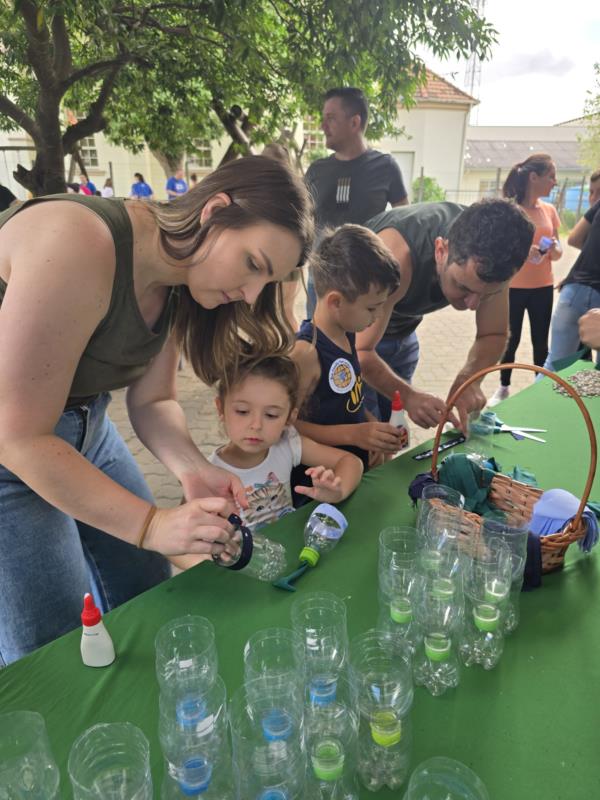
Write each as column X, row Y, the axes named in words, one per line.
column 588, row 421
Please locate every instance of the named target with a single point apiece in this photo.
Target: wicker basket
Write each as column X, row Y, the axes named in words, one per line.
column 518, row 498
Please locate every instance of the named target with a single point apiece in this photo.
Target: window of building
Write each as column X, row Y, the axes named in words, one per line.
column 489, row 188
column 89, row 153
column 202, row 158
column 315, row 140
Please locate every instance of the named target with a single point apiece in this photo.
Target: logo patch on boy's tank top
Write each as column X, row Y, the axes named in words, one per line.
column 356, row 397
column 341, row 376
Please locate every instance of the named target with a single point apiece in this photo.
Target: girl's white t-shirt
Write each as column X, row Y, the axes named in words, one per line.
column 267, row 485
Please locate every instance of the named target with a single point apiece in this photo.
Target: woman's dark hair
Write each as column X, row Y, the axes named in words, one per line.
column 108, row 182
column 517, row 180
column 261, row 190
column 350, row 260
column 496, row 234
column 139, row 176
column 277, row 368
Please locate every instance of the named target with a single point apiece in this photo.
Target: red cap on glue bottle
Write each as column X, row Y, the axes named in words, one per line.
column 97, row 649
column 91, row 613
column 397, row 402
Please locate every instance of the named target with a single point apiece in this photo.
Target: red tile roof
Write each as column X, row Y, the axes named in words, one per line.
column 439, row 90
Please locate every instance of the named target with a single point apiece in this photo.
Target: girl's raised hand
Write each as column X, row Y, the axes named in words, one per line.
column 327, row 486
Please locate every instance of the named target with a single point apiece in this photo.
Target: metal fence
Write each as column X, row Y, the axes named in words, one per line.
column 571, row 195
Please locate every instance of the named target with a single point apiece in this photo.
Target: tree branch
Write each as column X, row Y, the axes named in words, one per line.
column 62, row 47
column 9, row 109
column 38, row 46
column 94, row 69
column 94, row 121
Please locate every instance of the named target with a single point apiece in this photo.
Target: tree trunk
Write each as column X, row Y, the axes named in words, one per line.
column 47, row 175
column 168, row 162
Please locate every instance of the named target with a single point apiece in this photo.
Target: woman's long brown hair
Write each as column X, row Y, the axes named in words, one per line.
column 517, row 180
column 261, row 190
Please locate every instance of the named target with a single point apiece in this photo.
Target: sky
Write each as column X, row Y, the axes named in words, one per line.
column 542, row 65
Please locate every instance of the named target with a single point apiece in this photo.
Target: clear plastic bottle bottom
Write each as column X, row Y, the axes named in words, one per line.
column 380, row 765
column 435, row 665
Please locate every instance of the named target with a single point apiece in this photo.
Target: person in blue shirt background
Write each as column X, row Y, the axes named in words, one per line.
column 86, row 186
column 140, row 189
column 176, row 185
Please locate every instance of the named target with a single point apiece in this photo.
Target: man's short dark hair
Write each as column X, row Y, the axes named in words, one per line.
column 350, row 260
column 594, row 176
column 496, row 234
column 354, row 102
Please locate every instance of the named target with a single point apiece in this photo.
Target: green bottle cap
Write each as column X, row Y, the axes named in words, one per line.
column 386, row 728
column 401, row 610
column 328, row 760
column 496, row 591
column 437, row 648
column 486, row 617
column 310, row 555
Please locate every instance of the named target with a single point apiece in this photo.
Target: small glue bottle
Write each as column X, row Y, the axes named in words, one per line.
column 97, row 649
column 398, row 420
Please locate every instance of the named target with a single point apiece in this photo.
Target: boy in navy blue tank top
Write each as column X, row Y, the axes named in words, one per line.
column 353, row 275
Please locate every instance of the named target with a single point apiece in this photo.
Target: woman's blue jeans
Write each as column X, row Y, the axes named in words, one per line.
column 573, row 302
column 48, row 560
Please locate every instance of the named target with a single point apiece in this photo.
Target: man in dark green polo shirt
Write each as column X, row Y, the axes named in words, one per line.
column 448, row 254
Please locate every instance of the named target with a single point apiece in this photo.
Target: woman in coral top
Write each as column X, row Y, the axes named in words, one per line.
column 531, row 289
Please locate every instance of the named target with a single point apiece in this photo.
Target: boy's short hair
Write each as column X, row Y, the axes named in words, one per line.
column 350, row 260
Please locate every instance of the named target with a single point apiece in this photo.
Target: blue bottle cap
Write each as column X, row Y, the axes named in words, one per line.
column 322, row 691
column 272, row 794
column 198, row 774
column 326, row 509
column 276, row 725
column 190, row 712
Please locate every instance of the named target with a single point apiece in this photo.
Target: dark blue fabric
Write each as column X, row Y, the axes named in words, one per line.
column 532, row 579
column 326, row 407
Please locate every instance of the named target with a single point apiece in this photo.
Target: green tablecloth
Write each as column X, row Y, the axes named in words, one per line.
column 530, row 728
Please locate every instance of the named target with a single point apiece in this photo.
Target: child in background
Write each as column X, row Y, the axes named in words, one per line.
column 258, row 405
column 354, row 274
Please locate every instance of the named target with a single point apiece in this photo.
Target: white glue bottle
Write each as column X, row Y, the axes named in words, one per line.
column 398, row 420
column 97, row 649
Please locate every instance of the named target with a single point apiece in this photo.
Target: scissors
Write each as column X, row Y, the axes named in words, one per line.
column 526, row 433
column 517, row 431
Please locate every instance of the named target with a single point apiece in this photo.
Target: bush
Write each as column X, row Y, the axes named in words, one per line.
column 568, row 219
column 432, row 192
column 316, row 153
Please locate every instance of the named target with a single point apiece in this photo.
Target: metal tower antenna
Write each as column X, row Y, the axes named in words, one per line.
column 473, row 68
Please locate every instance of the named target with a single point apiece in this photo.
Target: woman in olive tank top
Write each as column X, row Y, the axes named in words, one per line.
column 98, row 294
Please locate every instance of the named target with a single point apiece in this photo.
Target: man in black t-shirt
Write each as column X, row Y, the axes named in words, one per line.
column 580, row 290
column 7, row 198
column 356, row 182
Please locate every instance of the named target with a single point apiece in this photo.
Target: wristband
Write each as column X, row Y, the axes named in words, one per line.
column 149, row 517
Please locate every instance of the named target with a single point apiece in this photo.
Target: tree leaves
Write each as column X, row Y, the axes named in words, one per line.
column 272, row 58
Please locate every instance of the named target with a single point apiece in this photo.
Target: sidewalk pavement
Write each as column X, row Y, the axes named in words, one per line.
column 445, row 338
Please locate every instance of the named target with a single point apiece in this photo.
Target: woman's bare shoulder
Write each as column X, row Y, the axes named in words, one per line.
column 58, row 233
